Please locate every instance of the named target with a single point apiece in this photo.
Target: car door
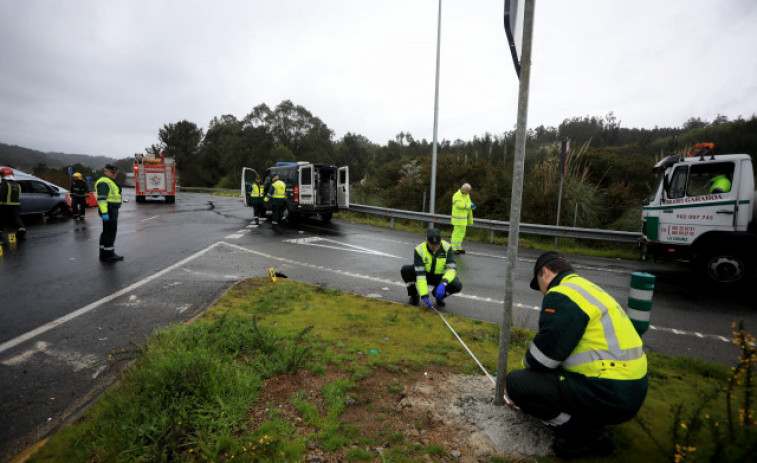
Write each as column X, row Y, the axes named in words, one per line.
column 35, row 197
column 306, row 183
column 343, row 187
column 248, row 178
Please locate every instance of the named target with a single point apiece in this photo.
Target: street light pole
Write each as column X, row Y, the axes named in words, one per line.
column 432, row 197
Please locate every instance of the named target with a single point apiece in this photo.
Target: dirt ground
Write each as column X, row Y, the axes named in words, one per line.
column 434, row 408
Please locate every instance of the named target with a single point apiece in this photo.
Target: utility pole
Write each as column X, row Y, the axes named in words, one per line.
column 432, row 198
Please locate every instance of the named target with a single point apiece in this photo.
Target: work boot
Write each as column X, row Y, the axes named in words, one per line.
column 598, row 442
column 441, row 303
column 414, row 300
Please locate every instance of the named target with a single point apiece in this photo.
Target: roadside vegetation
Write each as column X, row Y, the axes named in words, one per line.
column 282, row 371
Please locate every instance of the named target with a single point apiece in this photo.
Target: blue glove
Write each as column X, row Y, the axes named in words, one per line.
column 106, row 217
column 428, row 303
column 440, row 291
column 472, row 205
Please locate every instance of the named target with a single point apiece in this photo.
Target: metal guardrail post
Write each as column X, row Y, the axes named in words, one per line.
column 640, row 300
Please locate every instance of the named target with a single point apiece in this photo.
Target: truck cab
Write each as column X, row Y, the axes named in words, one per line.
column 702, row 211
column 311, row 188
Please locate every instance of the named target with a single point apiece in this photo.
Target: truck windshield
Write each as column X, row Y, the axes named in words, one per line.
column 653, row 193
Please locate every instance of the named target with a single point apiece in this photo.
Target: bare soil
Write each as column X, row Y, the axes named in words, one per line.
column 440, row 409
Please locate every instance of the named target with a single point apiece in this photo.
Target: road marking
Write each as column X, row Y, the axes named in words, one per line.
column 183, row 308
column 149, row 218
column 237, row 235
column 460, row 295
column 75, row 359
column 338, row 245
column 88, row 308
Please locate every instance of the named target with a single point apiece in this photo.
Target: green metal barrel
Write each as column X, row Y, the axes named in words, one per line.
column 640, row 300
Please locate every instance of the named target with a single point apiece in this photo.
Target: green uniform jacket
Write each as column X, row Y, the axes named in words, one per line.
column 462, row 210
column 277, row 193
column 108, row 194
column 562, row 324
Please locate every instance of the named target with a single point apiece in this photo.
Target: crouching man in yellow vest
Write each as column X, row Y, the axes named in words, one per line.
column 433, row 267
column 585, row 368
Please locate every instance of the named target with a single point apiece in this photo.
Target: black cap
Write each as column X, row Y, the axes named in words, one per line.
column 543, row 260
column 434, row 236
column 111, row 167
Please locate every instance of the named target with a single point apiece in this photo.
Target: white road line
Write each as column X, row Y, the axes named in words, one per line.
column 338, row 245
column 87, row 308
column 460, row 295
column 149, row 218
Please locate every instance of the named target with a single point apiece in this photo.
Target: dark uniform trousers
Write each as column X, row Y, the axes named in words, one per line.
column 79, row 205
column 108, row 235
column 408, row 276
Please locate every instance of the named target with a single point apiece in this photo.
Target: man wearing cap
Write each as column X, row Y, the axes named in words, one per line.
column 585, row 368
column 433, row 265
column 277, row 197
column 108, row 202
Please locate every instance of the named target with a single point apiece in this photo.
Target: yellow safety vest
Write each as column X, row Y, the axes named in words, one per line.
column 462, row 214
column 114, row 194
column 258, row 190
column 448, row 272
column 610, row 347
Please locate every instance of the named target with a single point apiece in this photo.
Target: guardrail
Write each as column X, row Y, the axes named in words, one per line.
column 484, row 224
column 496, row 225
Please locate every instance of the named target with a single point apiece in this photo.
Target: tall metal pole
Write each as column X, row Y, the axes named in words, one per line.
column 432, row 198
column 515, row 202
column 559, row 204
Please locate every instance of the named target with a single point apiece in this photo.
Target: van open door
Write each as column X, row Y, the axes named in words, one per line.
column 343, row 187
column 307, row 190
column 248, row 178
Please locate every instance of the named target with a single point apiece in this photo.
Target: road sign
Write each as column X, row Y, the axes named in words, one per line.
column 514, row 12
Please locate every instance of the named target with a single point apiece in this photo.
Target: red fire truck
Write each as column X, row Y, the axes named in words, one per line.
column 154, row 177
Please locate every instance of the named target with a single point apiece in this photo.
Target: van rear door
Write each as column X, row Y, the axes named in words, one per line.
column 248, row 178
column 307, row 184
column 343, row 187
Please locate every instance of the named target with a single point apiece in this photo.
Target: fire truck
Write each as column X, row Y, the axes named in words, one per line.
column 703, row 211
column 154, row 177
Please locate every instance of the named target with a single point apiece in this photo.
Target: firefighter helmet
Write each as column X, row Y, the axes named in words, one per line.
column 6, row 171
column 78, row 176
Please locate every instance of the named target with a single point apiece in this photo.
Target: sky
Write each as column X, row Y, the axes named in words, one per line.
column 102, row 77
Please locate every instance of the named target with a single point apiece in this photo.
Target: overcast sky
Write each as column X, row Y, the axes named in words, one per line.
column 101, row 77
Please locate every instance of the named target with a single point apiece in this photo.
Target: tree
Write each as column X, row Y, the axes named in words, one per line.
column 181, row 141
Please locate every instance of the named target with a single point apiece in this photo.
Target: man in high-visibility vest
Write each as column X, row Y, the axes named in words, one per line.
column 257, row 193
column 277, row 197
column 433, row 266
column 462, row 216
column 108, row 203
column 719, row 183
column 585, row 367
column 10, row 204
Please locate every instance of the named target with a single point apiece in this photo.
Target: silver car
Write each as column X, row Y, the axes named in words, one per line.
column 40, row 196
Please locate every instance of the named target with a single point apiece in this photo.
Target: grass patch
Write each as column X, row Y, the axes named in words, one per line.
column 259, row 380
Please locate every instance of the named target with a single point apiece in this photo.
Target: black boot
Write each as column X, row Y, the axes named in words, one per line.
column 414, row 300
column 572, row 442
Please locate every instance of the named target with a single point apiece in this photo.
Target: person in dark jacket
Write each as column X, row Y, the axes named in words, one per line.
column 108, row 203
column 433, row 265
column 79, row 193
column 10, row 204
column 277, row 197
column 585, row 367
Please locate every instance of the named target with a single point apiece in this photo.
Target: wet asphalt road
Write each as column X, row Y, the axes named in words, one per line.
column 63, row 312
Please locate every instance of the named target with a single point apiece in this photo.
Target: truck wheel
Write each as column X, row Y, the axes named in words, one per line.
column 170, row 199
column 727, row 266
column 140, row 198
column 326, row 217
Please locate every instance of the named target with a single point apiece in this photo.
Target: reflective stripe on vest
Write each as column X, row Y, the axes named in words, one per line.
column 12, row 195
column 610, row 347
column 258, row 191
column 442, row 266
column 279, row 190
column 114, row 195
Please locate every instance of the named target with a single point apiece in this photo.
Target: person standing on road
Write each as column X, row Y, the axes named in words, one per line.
column 257, row 193
column 585, row 367
column 79, row 193
column 277, row 197
column 108, row 202
column 433, row 265
column 462, row 216
column 10, row 204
